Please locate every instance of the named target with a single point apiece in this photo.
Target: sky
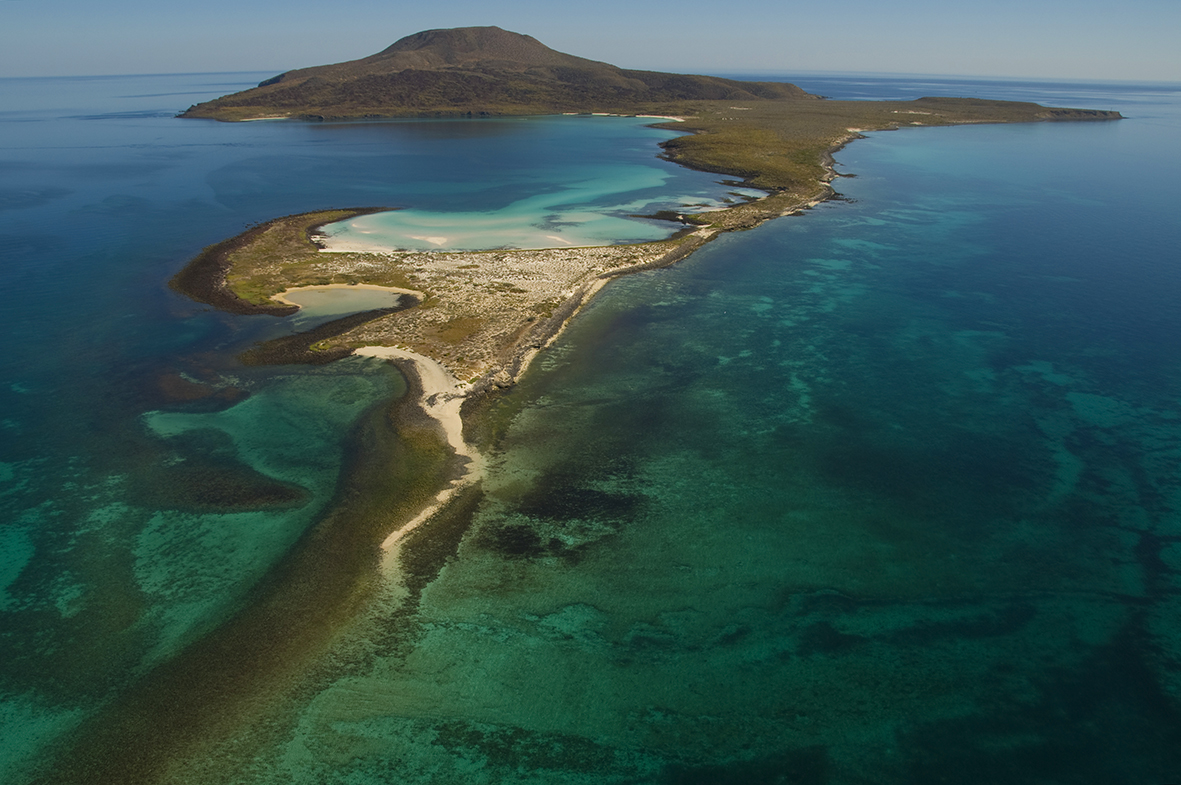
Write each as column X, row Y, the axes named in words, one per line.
column 1064, row 39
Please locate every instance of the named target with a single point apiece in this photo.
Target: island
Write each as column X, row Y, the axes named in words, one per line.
column 465, row 327
column 468, row 324
column 478, row 318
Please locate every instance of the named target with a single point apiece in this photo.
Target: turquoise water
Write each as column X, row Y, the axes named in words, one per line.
column 149, row 481
column 884, row 493
column 591, row 208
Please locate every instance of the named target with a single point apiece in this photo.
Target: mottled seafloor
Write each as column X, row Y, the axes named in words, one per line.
column 889, row 492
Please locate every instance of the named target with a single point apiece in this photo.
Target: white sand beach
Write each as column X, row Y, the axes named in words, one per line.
column 442, row 397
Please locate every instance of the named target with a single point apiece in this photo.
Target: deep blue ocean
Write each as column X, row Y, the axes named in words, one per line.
column 889, row 492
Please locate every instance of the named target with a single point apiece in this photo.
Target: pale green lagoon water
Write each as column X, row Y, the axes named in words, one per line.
column 321, row 305
column 135, row 517
column 591, row 210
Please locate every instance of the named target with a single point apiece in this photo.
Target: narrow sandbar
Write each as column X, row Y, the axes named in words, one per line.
column 441, row 399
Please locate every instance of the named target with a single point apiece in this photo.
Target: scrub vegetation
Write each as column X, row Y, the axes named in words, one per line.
column 773, row 135
column 478, row 312
column 786, row 145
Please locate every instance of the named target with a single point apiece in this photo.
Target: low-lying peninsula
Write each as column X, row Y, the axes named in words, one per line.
column 482, row 315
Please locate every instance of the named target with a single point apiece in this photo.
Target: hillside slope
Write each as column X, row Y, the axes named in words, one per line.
column 474, row 70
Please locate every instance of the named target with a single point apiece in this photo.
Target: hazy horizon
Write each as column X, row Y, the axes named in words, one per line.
column 1041, row 39
column 748, row 75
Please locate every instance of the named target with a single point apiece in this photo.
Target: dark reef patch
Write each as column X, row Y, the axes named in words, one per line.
column 301, row 348
column 516, row 748
column 1104, row 721
column 558, row 497
column 175, row 387
column 1007, row 620
column 514, row 540
column 823, row 638
column 200, row 472
column 428, row 548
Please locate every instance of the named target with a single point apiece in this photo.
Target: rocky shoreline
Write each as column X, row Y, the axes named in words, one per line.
column 204, row 278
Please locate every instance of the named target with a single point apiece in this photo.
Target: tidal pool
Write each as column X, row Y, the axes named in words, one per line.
column 318, row 304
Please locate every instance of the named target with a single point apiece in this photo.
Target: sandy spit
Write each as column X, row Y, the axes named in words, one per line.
column 442, row 397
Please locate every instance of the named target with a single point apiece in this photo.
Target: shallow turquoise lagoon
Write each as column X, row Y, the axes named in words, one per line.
column 885, row 493
column 596, row 206
column 149, row 481
column 888, row 492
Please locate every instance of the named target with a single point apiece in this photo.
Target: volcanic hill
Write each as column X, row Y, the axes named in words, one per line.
column 476, row 71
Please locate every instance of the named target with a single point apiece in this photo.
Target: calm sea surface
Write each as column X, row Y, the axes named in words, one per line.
column 886, row 493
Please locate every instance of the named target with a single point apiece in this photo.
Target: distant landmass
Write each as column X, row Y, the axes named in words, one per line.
column 772, row 135
column 475, row 70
